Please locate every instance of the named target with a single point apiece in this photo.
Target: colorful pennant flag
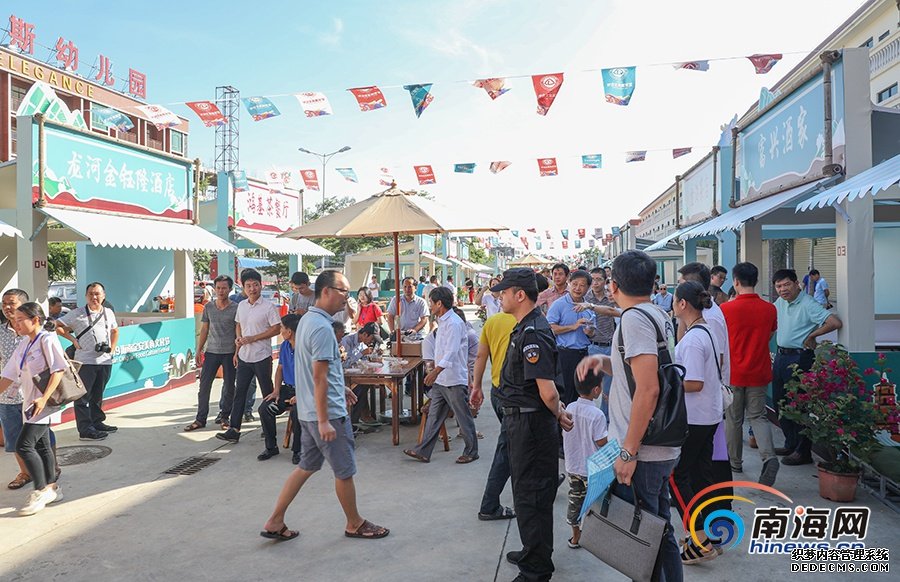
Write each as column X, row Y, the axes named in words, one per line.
column 693, row 65
column 274, row 180
column 348, row 174
column 239, row 178
column 464, row 168
column 421, row 97
column 545, row 89
column 111, row 118
column 493, row 86
column 160, row 116
column 565, row 233
column 565, row 244
column 591, row 243
column 538, row 245
column 514, row 232
column 260, row 108
column 497, row 167
column 547, row 233
column 524, row 241
column 316, row 104
column 635, row 156
column 425, row 174
column 577, row 244
column 386, row 178
column 598, row 233
column 209, row 114
column 581, row 233
column 592, row 161
column 547, row 166
column 310, row 179
column 618, row 84
column 532, row 230
column 764, row 63
column 678, row 152
column 369, row 98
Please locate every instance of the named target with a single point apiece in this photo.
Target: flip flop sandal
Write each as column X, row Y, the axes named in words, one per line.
column 368, row 531
column 20, row 481
column 693, row 554
column 416, row 456
column 464, row 459
column 194, row 426
column 282, row 535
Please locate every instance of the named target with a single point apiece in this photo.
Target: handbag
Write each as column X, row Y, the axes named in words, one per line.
column 623, row 535
column 669, row 425
column 70, row 351
column 727, row 391
column 70, row 387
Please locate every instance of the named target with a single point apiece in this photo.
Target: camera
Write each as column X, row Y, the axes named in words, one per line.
column 102, row 348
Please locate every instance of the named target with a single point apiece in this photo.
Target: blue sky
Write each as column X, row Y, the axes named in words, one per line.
column 188, row 48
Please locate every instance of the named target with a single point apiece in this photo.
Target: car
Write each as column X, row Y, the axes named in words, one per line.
column 66, row 291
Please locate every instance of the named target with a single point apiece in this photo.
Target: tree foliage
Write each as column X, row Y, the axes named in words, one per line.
column 61, row 258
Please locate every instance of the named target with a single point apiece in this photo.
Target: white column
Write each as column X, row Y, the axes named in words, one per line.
column 751, row 243
column 31, row 255
column 184, row 284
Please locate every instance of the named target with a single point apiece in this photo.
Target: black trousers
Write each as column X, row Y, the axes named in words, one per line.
column 694, row 471
column 534, row 469
column 211, row 365
column 268, row 414
column 262, row 371
column 33, row 446
column 781, row 375
column 499, row 473
column 566, row 362
column 88, row 408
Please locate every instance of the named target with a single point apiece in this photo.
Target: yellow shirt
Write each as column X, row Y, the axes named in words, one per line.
column 495, row 334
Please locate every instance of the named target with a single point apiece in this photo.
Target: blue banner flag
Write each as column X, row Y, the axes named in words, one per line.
column 421, row 98
column 538, row 246
column 515, row 232
column 592, row 161
column 260, row 108
column 577, row 243
column 464, row 168
column 565, row 233
column 618, row 84
column 348, row 174
column 112, row 118
column 240, row 180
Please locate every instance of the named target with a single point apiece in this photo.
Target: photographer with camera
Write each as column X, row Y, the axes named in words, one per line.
column 93, row 331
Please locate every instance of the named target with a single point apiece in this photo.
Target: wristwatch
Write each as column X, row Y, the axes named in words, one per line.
column 626, row 456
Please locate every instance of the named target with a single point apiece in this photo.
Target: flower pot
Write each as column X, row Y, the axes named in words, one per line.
column 837, row 486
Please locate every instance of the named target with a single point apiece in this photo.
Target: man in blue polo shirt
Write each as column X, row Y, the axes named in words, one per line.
column 573, row 331
column 800, row 321
column 283, row 395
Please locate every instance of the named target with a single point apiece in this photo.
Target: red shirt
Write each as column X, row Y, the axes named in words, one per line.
column 751, row 321
column 368, row 314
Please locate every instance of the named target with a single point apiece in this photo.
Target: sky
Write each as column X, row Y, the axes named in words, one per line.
column 188, row 48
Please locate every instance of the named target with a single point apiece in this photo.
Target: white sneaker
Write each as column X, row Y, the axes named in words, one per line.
column 59, row 494
column 36, row 502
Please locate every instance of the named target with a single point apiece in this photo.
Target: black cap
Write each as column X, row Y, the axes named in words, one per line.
column 521, row 277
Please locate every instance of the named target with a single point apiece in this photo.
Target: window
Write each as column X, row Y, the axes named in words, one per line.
column 17, row 95
column 884, row 35
column 886, row 94
column 868, row 43
column 176, row 139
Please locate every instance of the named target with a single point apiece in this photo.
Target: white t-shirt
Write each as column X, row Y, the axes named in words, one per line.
column 715, row 319
column 32, row 358
column 256, row 318
column 78, row 320
column 491, row 304
column 581, row 442
column 695, row 352
column 343, row 317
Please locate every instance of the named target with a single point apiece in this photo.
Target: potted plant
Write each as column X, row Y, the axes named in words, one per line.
column 831, row 403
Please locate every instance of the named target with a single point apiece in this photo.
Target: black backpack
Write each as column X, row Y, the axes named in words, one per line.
column 669, row 425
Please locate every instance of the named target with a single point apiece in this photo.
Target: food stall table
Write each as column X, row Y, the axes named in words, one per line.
column 393, row 379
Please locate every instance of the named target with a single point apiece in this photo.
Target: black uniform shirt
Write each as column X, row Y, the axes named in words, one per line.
column 531, row 355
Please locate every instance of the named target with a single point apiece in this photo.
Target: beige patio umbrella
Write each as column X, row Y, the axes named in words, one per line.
column 530, row 260
column 393, row 212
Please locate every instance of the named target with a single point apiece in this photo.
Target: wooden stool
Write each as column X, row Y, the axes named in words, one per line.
column 288, row 431
column 443, row 432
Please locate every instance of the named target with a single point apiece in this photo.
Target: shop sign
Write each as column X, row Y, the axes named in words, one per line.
column 697, row 195
column 786, row 147
column 88, row 172
column 150, row 355
column 262, row 209
column 426, row 243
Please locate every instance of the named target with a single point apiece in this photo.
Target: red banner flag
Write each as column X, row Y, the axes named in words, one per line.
column 310, row 180
column 764, row 63
column 547, row 166
column 581, row 233
column 534, row 230
column 425, row 174
column 678, row 152
column 524, row 240
column 208, row 113
column 565, row 244
column 545, row 88
column 369, row 98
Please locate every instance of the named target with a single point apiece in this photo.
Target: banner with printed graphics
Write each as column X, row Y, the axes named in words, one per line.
column 464, row 168
column 421, row 97
column 425, row 175
column 635, row 156
column 565, row 233
column 764, row 63
column 274, row 180
column 209, row 114
column 310, row 179
column 159, row 116
column 108, row 117
column 497, row 167
column 494, row 86
column 618, row 84
column 696, row 191
column 82, row 171
column 259, row 208
column 348, row 174
column 386, row 178
column 260, row 108
column 693, row 65
column 547, row 166
column 678, row 152
column 546, row 88
column 239, row 178
column 369, row 98
column 316, row 104
column 582, row 233
column 592, row 161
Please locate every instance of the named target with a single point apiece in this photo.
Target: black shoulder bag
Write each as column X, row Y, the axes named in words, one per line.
column 70, row 351
column 668, row 426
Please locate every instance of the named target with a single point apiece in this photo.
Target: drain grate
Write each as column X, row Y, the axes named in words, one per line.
column 80, row 454
column 190, row 466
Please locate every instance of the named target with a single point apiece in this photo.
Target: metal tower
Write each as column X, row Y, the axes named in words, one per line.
column 228, row 136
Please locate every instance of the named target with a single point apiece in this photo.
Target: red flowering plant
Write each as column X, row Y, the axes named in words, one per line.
column 832, row 405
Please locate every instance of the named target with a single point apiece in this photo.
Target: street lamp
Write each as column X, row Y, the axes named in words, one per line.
column 325, row 158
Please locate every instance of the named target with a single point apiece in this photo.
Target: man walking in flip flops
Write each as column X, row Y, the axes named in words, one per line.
column 326, row 432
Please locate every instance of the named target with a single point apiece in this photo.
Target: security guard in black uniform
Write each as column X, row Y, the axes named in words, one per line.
column 531, row 412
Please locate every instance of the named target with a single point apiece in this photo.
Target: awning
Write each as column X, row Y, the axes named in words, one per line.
column 663, row 243
column 433, row 258
column 736, row 217
column 872, row 181
column 456, row 261
column 253, row 263
column 284, row 246
column 9, row 230
column 476, row 267
column 109, row 230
